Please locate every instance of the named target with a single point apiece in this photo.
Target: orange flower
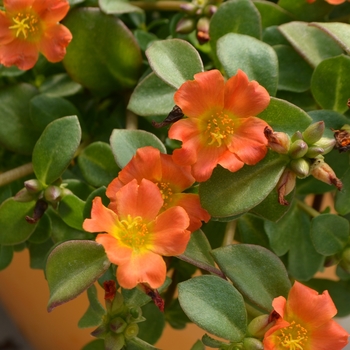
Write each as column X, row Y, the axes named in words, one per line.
column 305, row 322
column 137, row 234
column 171, row 179
column 221, row 127
column 332, row 2
column 28, row 27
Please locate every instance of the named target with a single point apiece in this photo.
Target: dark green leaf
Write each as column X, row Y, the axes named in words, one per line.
column 97, row 344
column 117, row 7
column 342, row 203
column 60, row 85
column 71, row 211
column 6, row 255
column 42, row 231
column 271, row 14
column 38, row 254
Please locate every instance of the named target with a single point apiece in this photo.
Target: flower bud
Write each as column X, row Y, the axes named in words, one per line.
column 323, row 172
column 259, row 326
column 297, row 136
column 301, row 167
column 131, row 331
column 313, row 132
column 285, row 185
column 345, row 260
column 114, row 341
column 189, row 8
column 252, row 344
column 298, row 149
column 185, row 25
column 39, row 210
column 52, row 193
column 277, row 141
column 325, row 143
column 117, row 325
column 100, row 332
column 314, row 151
column 210, row 10
column 203, row 30
column 24, row 196
column 33, row 185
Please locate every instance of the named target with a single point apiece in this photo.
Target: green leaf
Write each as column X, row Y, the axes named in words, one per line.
column 272, row 14
column 174, row 61
column 275, row 116
column 175, row 316
column 125, row 143
column 235, row 16
column 104, row 56
column 17, row 132
column 59, row 85
column 257, row 59
column 97, row 344
column 14, row 229
column 331, row 119
column 38, row 254
column 225, row 314
column 6, row 255
column 227, row 194
column 71, row 211
column 97, row 164
column 310, row 42
column 152, row 97
column 42, row 231
column 294, row 72
column 72, row 267
column 329, row 233
column 342, row 203
column 99, row 192
column 117, row 7
column 56, row 148
column 139, row 344
column 257, row 273
column 329, row 84
column 198, row 345
column 94, row 313
column 45, row 109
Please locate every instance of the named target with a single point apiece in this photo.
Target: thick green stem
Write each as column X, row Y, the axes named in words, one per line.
column 230, row 233
column 15, row 174
column 159, row 5
column 311, row 211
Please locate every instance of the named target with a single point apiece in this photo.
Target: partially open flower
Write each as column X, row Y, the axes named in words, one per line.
column 323, row 172
column 28, row 27
column 285, row 185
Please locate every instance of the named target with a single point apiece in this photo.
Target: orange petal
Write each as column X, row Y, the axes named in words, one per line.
column 22, row 54
column 191, row 203
column 199, row 96
column 313, row 308
column 143, row 200
column 116, row 252
column 170, row 235
column 230, row 161
column 335, row 2
column 279, row 305
column 51, row 11
column 145, row 268
column 56, row 39
column 244, row 98
column 18, row 5
column 6, row 35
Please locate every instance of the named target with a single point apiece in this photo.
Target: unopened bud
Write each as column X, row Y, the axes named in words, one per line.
column 131, row 331
column 117, row 325
column 323, row 172
column 314, row 151
column 325, row 143
column 298, row 149
column 135, row 313
column 24, row 196
column 203, row 30
column 33, row 185
column 114, row 341
column 259, row 326
column 189, row 8
column 277, row 141
column 52, row 194
column 100, row 332
column 301, row 167
column 39, row 210
column 252, row 344
column 313, row 132
column 185, row 25
column 210, row 10
column 297, row 136
column 285, row 185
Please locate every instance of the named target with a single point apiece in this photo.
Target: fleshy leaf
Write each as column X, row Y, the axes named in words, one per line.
column 6, row 255
column 227, row 194
column 117, row 7
column 256, row 272
column 329, row 233
column 72, row 267
column 14, row 227
column 174, row 61
column 42, row 231
column 152, row 97
column 272, row 14
column 225, row 314
column 342, row 203
column 125, row 143
column 56, row 148
column 330, row 84
column 257, row 59
column 71, row 211
column 59, row 85
column 97, row 164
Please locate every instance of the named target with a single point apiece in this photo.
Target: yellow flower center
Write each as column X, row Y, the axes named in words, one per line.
column 133, row 232
column 167, row 193
column 293, row 337
column 219, row 128
column 25, row 24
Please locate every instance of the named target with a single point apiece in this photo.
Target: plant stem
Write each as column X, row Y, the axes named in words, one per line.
column 311, row 211
column 159, row 5
column 15, row 174
column 230, row 233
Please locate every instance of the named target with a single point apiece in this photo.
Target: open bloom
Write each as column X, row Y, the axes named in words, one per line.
column 221, row 127
column 28, row 27
column 137, row 235
column 332, row 2
column 305, row 322
column 171, row 179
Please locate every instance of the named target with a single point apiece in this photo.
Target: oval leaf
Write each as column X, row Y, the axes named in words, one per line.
column 72, row 267
column 257, row 273
column 71, row 211
column 56, row 148
column 174, row 61
column 225, row 314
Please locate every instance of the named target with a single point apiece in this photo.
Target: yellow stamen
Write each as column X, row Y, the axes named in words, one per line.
column 293, row 337
column 133, row 232
column 25, row 23
column 219, row 128
column 167, row 193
